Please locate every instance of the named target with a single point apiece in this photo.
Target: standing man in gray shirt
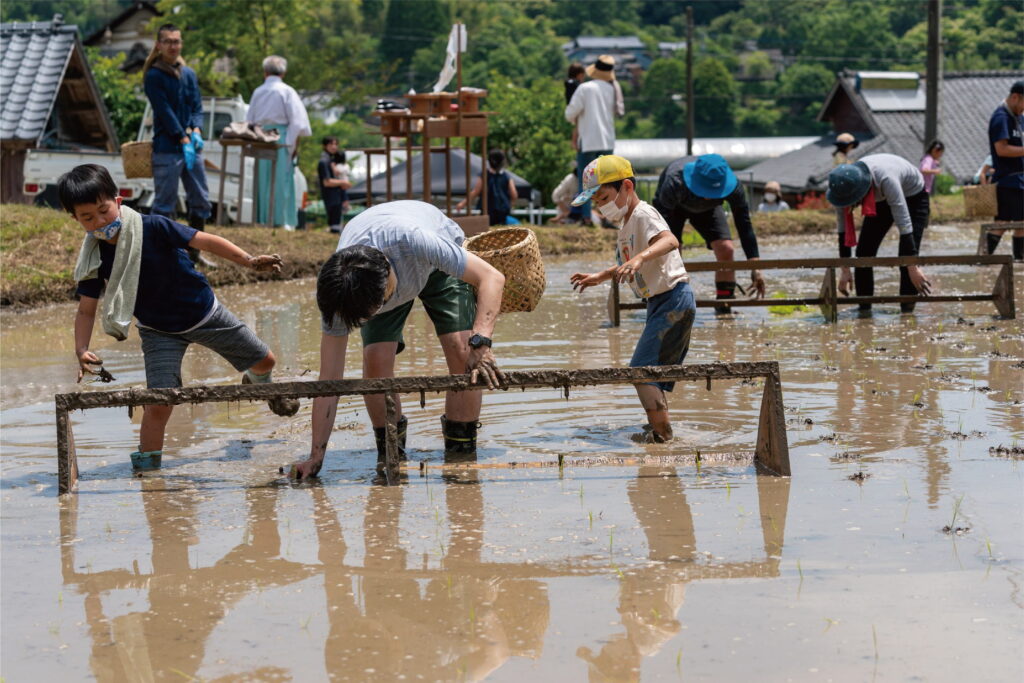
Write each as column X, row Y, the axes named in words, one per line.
column 387, row 257
column 889, row 189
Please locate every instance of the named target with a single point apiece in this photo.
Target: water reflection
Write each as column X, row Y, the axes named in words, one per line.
column 388, row 617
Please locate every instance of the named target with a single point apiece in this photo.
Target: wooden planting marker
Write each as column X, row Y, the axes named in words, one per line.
column 771, row 453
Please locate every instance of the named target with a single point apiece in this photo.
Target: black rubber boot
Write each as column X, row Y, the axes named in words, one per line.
column 380, row 434
column 1018, row 248
column 724, row 290
column 459, row 440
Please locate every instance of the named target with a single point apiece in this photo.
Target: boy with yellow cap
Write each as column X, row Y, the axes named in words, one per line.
column 647, row 258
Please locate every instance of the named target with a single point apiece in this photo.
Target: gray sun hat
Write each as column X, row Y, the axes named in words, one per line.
column 848, row 183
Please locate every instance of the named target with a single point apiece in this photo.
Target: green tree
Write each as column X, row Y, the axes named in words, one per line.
column 757, row 118
column 532, row 130
column 716, row 93
column 121, row 92
column 663, row 90
column 408, row 26
column 802, row 90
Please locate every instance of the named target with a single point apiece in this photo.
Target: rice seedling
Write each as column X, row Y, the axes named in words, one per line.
column 305, row 624
column 988, row 546
column 591, row 516
column 874, row 639
column 956, row 511
column 679, row 662
column 611, row 540
column 829, row 623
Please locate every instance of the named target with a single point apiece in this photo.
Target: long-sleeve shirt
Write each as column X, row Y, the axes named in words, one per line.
column 276, row 102
column 177, row 105
column 592, row 108
column 893, row 179
column 673, row 194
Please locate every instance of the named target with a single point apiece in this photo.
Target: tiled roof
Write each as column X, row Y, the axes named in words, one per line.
column 966, row 103
column 33, row 57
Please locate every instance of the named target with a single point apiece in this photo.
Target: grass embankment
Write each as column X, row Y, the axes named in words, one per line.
column 945, row 209
column 39, row 247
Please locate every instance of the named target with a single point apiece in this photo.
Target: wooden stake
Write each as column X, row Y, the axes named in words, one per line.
column 391, row 439
column 67, row 458
column 772, row 451
column 1002, row 293
column 828, row 295
column 614, row 305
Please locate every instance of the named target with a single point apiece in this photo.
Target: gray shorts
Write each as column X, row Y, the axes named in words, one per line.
column 223, row 333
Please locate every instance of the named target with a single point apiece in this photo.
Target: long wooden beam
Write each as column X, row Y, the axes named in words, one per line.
column 860, row 262
column 771, row 453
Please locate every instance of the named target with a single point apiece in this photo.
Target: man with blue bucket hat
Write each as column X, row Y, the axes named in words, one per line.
column 889, row 189
column 694, row 189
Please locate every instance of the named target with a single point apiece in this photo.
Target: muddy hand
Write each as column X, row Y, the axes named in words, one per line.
column 266, row 263
column 757, row 283
column 581, row 281
column 86, row 361
column 845, row 281
column 481, row 364
column 306, row 469
column 920, row 281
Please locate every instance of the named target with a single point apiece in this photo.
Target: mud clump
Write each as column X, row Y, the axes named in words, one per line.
column 829, row 438
column 1013, row 451
column 956, row 530
column 859, row 477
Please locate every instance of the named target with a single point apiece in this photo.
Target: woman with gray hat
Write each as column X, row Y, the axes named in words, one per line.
column 889, row 189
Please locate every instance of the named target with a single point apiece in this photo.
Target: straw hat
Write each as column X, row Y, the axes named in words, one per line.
column 603, row 69
column 773, row 186
column 844, row 139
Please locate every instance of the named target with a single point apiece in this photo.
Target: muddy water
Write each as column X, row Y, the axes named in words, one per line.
column 216, row 569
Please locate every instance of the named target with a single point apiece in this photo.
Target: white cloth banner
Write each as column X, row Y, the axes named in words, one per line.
column 456, row 44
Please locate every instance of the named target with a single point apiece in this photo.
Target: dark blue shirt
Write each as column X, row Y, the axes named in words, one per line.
column 177, row 105
column 172, row 295
column 1009, row 171
column 332, row 196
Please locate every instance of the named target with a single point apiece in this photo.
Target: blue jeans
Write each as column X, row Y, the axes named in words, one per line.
column 168, row 168
column 582, row 159
column 666, row 336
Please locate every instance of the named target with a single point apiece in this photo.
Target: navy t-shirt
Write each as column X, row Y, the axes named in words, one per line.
column 1005, row 126
column 172, row 295
column 332, row 196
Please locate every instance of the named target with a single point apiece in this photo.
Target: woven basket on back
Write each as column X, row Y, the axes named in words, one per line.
column 980, row 201
column 516, row 254
column 137, row 158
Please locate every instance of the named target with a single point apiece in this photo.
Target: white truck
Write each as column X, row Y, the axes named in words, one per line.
column 44, row 166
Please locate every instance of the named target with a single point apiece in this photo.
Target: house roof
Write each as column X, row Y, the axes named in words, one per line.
column 98, row 36
column 33, row 57
column 605, row 43
column 966, row 102
column 41, row 62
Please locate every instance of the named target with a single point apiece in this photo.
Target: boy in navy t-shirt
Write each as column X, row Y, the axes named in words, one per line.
column 174, row 304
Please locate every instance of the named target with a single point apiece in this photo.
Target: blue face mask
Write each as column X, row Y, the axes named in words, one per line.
column 108, row 231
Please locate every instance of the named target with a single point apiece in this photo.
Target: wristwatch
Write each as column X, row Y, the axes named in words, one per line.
column 478, row 340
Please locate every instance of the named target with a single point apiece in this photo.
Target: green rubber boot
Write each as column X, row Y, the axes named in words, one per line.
column 145, row 461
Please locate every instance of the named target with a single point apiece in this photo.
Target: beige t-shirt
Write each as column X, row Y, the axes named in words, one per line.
column 656, row 276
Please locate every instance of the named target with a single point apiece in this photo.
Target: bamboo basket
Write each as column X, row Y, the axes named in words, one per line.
column 137, row 159
column 980, row 201
column 516, row 254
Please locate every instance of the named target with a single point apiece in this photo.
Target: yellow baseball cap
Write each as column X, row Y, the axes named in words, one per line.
column 602, row 170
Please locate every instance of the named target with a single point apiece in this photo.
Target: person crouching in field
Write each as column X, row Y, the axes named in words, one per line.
column 647, row 255
column 143, row 263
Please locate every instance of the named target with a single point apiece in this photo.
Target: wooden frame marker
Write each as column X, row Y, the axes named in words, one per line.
column 828, row 298
column 771, row 453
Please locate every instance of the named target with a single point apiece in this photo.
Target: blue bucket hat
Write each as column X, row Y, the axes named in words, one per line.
column 848, row 183
column 710, row 177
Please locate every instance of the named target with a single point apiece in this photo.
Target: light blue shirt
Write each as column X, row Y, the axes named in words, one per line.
column 417, row 239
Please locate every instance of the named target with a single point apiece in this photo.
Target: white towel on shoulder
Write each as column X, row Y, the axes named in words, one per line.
column 119, row 298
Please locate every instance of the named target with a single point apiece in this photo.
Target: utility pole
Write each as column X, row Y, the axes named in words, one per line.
column 689, row 81
column 934, row 75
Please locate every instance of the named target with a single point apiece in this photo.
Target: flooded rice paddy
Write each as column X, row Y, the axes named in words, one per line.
column 894, row 553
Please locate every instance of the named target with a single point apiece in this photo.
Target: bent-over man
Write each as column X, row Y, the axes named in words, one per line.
column 387, row 257
column 694, row 189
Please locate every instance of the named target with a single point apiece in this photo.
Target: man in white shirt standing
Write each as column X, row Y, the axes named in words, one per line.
column 276, row 106
column 592, row 109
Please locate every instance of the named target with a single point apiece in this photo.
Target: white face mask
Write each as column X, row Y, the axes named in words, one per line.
column 612, row 212
column 770, row 197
